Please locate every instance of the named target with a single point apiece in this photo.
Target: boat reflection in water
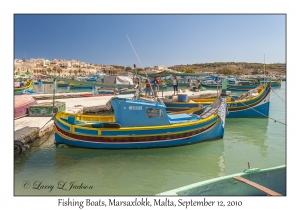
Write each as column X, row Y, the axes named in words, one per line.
column 139, row 172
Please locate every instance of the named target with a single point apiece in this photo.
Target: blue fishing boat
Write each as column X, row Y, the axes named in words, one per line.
column 62, row 84
column 78, row 86
column 91, row 79
column 251, row 182
column 253, row 103
column 140, row 123
column 23, row 87
column 107, row 91
column 274, row 83
column 243, row 86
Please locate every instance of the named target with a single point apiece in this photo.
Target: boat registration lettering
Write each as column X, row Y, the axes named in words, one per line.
column 135, row 107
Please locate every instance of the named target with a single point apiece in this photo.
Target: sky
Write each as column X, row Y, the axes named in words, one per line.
column 151, row 39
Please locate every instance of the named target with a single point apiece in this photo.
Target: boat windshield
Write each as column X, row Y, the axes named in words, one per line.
column 154, row 113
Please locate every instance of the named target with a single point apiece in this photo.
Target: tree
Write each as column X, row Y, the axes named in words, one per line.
column 139, row 69
column 75, row 72
column 225, row 71
column 54, row 69
column 49, row 70
column 59, row 70
column 189, row 70
column 128, row 68
column 70, row 72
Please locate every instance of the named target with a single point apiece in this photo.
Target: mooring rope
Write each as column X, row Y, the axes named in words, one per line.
column 277, row 95
column 44, row 140
column 264, row 114
column 50, row 132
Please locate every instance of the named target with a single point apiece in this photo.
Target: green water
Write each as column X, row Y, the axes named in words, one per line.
column 262, row 142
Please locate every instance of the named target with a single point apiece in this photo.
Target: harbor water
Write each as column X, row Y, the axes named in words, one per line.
column 50, row 170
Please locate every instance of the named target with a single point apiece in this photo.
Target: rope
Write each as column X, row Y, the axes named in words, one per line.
column 45, row 139
column 50, row 132
column 277, row 95
column 264, row 114
column 48, row 121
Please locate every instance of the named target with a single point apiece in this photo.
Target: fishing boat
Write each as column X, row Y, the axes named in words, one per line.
column 62, row 84
column 140, row 123
column 91, row 79
column 123, row 91
column 274, row 83
column 243, row 85
column 251, row 182
column 78, row 86
column 253, row 103
column 107, row 91
column 47, row 82
column 20, row 87
column 21, row 105
column 211, row 83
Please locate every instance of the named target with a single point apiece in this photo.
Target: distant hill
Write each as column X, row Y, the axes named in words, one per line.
column 233, row 68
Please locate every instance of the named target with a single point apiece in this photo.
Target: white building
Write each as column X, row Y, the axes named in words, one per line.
column 160, row 68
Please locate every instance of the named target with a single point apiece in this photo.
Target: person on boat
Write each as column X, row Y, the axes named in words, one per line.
column 156, row 86
column 137, row 86
column 198, row 86
column 148, row 88
column 190, row 84
column 175, row 85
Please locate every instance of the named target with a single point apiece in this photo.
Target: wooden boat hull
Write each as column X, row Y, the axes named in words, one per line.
column 26, row 87
column 271, row 178
column 241, row 87
column 62, row 85
column 81, row 86
column 153, row 140
column 102, row 132
column 22, row 103
column 47, row 82
column 254, row 107
column 274, row 83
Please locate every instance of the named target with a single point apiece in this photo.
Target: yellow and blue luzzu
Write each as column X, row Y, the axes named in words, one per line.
column 253, row 103
column 140, row 124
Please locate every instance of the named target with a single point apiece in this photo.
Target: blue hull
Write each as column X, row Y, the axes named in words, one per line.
column 241, row 88
column 273, row 84
column 105, row 92
column 215, row 132
column 76, row 87
column 257, row 111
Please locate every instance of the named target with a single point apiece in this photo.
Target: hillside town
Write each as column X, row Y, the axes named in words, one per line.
column 39, row 66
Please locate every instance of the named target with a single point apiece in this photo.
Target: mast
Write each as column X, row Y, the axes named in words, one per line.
column 264, row 70
column 141, row 64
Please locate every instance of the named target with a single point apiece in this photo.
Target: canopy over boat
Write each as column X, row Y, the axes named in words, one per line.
column 168, row 73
